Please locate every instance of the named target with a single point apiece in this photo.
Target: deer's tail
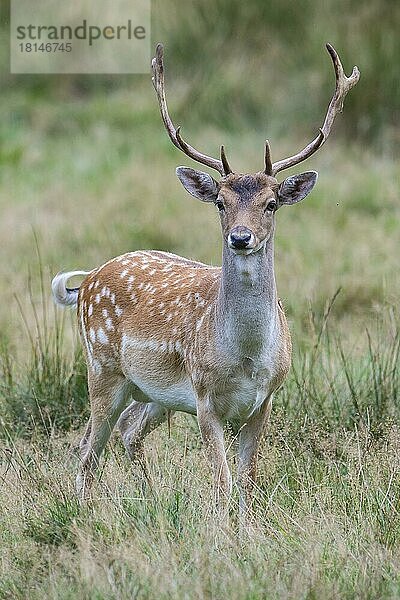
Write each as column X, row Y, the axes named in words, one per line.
column 63, row 295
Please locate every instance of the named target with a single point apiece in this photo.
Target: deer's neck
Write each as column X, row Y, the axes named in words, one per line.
column 247, row 311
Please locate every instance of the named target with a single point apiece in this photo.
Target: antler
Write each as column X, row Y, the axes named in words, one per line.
column 343, row 85
column 157, row 65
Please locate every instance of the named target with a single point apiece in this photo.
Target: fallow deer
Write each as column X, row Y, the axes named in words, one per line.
column 174, row 334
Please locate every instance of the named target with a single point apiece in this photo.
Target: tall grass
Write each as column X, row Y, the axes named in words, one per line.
column 47, row 392
column 340, row 389
column 327, row 515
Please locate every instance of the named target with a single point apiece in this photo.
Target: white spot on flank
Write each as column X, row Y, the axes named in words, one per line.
column 112, row 298
column 152, row 272
column 91, row 286
column 96, row 284
column 103, row 291
column 199, row 323
column 125, row 262
column 96, row 367
column 118, row 310
column 97, row 298
column 164, row 285
column 131, row 279
column 123, row 273
column 92, row 335
column 101, row 336
column 161, row 305
column 90, row 310
column 139, row 344
column 105, row 312
column 109, row 324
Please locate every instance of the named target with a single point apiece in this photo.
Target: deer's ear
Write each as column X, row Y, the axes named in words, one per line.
column 295, row 188
column 199, row 184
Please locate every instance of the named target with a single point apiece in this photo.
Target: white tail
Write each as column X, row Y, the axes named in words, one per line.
column 63, row 295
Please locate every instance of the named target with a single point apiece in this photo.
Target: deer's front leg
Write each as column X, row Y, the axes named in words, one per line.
column 212, row 433
column 249, row 440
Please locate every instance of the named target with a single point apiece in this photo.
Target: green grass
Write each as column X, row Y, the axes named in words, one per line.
column 86, row 173
column 326, row 508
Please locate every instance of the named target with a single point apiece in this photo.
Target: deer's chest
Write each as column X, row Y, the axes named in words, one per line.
column 242, row 387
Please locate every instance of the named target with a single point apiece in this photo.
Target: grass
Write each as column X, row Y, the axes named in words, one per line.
column 326, row 508
column 327, row 529
column 86, row 173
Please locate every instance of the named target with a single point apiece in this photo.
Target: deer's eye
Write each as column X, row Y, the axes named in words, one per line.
column 220, row 206
column 271, row 206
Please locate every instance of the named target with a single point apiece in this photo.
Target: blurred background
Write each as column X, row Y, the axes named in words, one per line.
column 87, row 169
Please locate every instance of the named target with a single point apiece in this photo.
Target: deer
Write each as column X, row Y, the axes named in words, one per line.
column 162, row 333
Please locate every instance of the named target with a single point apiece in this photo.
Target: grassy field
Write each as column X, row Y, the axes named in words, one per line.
column 327, row 509
column 86, row 173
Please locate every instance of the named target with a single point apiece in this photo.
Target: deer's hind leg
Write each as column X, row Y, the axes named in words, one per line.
column 108, row 396
column 137, row 421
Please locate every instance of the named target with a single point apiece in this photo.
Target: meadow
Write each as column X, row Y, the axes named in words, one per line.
column 87, row 173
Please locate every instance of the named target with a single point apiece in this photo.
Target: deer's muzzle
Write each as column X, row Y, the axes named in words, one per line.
column 241, row 238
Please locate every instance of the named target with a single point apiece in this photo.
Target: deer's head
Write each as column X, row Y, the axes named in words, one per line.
column 247, row 203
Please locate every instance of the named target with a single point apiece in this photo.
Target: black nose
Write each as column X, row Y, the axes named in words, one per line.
column 240, row 239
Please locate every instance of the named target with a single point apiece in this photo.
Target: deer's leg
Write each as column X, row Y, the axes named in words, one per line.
column 138, row 420
column 249, row 440
column 212, row 433
column 86, row 435
column 107, row 398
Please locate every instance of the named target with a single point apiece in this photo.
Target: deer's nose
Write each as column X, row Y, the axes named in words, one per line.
column 240, row 237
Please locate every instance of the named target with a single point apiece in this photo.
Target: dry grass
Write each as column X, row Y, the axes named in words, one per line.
column 87, row 173
column 327, row 522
